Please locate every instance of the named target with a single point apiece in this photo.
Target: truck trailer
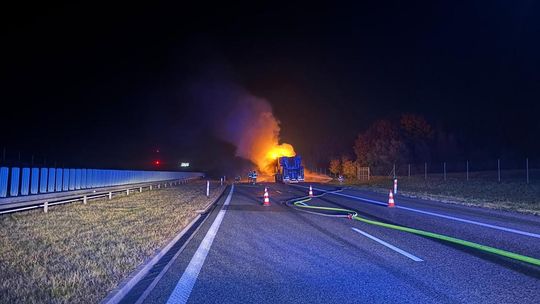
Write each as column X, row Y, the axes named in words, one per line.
column 289, row 170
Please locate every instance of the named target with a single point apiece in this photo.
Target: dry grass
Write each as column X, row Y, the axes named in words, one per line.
column 483, row 191
column 77, row 253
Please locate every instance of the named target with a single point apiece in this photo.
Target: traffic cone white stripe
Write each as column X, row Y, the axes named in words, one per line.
column 266, row 201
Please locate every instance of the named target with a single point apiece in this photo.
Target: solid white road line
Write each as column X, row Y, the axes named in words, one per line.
column 185, row 285
column 473, row 222
column 401, row 251
column 516, row 231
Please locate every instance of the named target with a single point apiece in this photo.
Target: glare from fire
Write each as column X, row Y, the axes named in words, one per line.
column 273, row 151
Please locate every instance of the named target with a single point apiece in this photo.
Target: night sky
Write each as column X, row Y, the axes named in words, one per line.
column 105, row 86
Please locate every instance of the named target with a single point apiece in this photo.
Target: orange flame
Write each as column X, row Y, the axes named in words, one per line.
column 273, row 152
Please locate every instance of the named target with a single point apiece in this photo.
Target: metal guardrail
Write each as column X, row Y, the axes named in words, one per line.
column 16, row 204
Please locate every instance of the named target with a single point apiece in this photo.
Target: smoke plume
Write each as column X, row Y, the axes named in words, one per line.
column 244, row 120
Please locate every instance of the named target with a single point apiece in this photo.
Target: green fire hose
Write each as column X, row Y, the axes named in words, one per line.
column 301, row 203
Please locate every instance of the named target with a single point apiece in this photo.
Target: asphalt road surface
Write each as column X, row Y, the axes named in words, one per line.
column 247, row 253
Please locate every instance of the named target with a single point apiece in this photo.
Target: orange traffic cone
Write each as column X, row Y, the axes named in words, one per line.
column 391, row 203
column 310, row 191
column 266, row 198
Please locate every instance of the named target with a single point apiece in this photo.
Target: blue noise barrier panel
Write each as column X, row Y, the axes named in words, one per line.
column 65, row 186
column 25, row 182
column 3, row 181
column 59, row 179
column 72, row 178
column 52, row 175
column 84, row 178
column 43, row 180
column 15, row 174
column 78, row 178
column 89, row 178
column 34, row 184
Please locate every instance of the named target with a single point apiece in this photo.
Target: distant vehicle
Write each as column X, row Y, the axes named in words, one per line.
column 252, row 177
column 290, row 170
column 238, row 179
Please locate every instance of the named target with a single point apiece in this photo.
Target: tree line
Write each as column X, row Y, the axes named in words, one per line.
column 408, row 139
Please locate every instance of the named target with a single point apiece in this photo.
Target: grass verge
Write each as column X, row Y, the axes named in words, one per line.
column 78, row 253
column 510, row 194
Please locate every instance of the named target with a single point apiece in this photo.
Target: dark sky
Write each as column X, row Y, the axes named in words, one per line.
column 104, row 85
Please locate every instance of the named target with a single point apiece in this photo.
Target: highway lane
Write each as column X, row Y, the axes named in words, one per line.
column 278, row 254
column 508, row 219
column 426, row 215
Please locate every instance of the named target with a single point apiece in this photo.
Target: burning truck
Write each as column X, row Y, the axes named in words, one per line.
column 289, row 169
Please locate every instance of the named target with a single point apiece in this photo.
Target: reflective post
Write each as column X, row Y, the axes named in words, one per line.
column 499, row 169
column 444, row 170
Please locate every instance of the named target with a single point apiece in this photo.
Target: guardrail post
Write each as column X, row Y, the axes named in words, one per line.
column 110, row 195
column 46, row 207
column 221, row 181
column 85, row 199
column 207, row 188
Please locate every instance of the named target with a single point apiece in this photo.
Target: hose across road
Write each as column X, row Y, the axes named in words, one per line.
column 302, row 204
